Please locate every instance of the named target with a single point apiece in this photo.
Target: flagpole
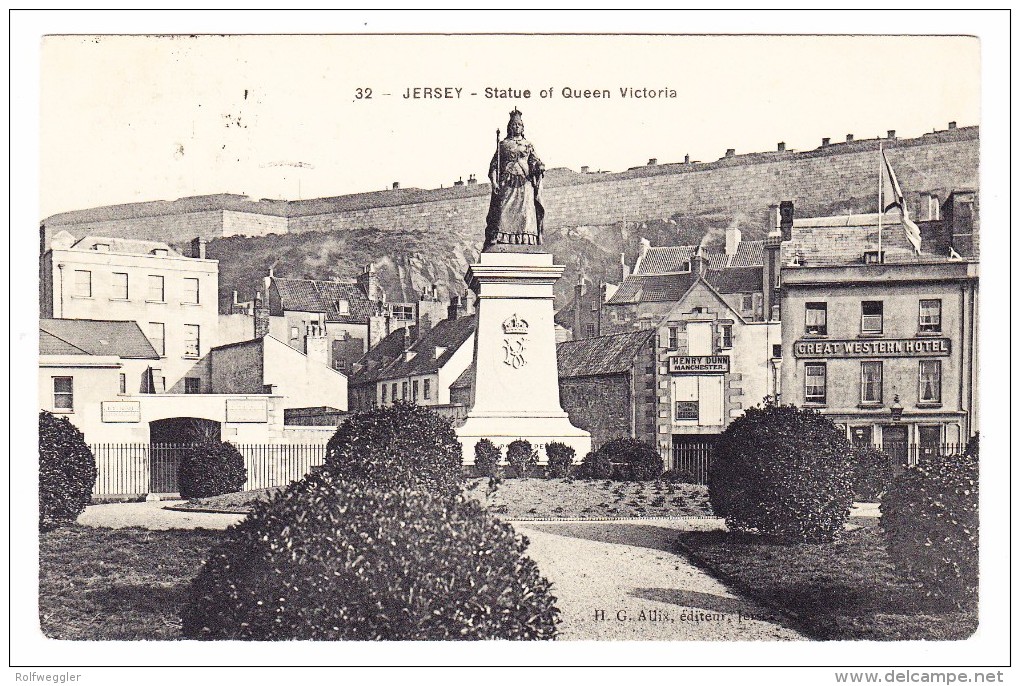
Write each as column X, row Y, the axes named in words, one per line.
column 880, row 201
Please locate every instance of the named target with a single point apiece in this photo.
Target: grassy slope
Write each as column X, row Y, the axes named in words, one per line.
column 846, row 590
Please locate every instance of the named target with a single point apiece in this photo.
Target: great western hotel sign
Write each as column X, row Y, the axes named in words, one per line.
column 699, row 364
column 897, row 347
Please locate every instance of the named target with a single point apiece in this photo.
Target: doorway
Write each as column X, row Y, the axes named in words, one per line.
column 168, row 439
column 894, row 443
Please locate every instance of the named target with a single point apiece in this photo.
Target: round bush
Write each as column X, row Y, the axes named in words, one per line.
column 330, row 561
column 597, row 465
column 783, row 472
column 211, row 468
column 67, row 472
column 930, row 525
column 487, row 457
column 561, row 458
column 873, row 471
column 522, row 458
column 403, row 445
column 631, row 460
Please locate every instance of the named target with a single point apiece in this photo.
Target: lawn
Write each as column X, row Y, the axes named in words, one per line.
column 846, row 590
column 117, row 584
column 546, row 499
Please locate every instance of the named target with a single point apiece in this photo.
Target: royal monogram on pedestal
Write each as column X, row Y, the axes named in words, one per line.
column 513, row 346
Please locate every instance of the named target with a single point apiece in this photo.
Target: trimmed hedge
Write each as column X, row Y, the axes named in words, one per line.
column 522, row 458
column 400, row 446
column 211, row 468
column 678, row 476
column 930, row 524
column 623, row 459
column 783, row 472
column 487, row 457
column 873, row 472
column 67, row 472
column 561, row 458
column 326, row 560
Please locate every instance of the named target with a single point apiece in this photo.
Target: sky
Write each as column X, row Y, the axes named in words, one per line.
column 137, row 118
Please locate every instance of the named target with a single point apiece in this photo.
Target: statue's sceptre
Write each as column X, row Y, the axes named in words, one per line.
column 498, row 164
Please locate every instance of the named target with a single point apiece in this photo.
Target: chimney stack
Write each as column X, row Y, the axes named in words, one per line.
column 781, row 147
column 732, row 240
column 730, row 152
column 698, row 262
column 952, row 126
column 624, row 268
column 825, row 142
column 584, row 169
column 786, row 219
column 198, row 248
column 459, row 182
column 849, row 138
column 368, row 282
column 652, row 162
column 396, row 185
column 453, row 311
column 891, row 134
column 472, row 180
column 687, row 158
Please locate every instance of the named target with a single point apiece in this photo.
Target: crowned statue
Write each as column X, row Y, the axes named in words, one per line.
column 515, row 207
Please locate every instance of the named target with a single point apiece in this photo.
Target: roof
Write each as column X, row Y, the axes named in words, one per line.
column 748, row 254
column 449, row 334
column 736, row 279
column 372, row 364
column 303, row 295
column 842, row 240
column 600, row 355
column 94, row 337
column 129, row 246
column 652, row 288
column 670, row 259
column 466, row 378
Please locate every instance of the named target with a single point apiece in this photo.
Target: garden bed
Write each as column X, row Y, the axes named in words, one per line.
column 542, row 499
column 845, row 590
column 117, row 584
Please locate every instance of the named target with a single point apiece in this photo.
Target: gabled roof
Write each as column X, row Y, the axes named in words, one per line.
column 736, row 279
column 652, row 288
column 842, row 240
column 674, row 259
column 375, row 361
column 600, row 355
column 304, row 295
column 748, row 254
column 94, row 337
column 448, row 335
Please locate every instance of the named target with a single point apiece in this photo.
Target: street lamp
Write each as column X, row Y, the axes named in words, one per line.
column 896, row 409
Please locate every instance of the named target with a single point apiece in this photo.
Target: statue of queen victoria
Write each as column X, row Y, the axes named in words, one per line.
column 515, row 207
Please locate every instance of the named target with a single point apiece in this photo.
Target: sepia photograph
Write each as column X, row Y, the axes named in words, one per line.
column 639, row 343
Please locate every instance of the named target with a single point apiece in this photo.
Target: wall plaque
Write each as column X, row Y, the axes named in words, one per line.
column 885, row 347
column 243, row 411
column 122, row 411
column 699, row 364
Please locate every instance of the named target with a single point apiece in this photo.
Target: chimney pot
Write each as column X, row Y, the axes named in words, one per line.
column 891, row 134
column 396, row 185
column 687, row 159
column 825, row 142
column 459, row 182
column 730, row 152
column 849, row 138
column 652, row 161
column 781, row 147
column 472, row 180
column 952, row 125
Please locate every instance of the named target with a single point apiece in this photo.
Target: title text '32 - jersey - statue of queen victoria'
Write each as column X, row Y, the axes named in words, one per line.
column 515, row 207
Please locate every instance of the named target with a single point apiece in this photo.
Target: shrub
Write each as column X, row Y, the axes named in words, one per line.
column 597, row 465
column 400, row 446
column 678, row 476
column 326, row 560
column 632, row 460
column 930, row 525
column 487, row 457
column 561, row 458
column 211, row 468
column 522, row 458
column 873, row 471
column 67, row 472
column 783, row 472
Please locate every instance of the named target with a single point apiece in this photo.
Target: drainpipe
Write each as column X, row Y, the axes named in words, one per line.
column 60, row 300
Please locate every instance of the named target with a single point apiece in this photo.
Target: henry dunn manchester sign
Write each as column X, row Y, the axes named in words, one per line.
column 694, row 364
column 899, row 347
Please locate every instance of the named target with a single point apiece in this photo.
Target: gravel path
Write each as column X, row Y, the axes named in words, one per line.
column 621, row 581
column 615, row 581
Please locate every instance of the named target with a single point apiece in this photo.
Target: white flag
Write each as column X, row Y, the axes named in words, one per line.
column 894, row 198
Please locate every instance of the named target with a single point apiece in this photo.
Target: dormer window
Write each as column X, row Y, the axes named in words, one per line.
column 685, row 267
column 440, row 349
column 101, row 247
column 343, row 307
column 161, row 252
column 874, row 257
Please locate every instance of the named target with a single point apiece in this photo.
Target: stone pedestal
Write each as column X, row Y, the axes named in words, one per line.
column 516, row 390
